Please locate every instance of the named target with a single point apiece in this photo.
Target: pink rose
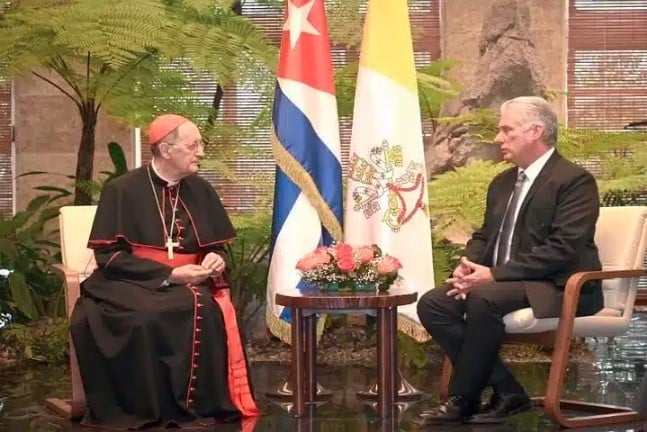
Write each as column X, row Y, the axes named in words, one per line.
column 321, row 249
column 343, row 250
column 388, row 264
column 365, row 254
column 346, row 265
column 307, row 263
column 321, row 258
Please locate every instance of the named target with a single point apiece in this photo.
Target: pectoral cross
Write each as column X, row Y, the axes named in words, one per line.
column 170, row 244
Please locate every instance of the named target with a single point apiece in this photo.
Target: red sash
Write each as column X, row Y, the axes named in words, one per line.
column 239, row 390
column 161, row 256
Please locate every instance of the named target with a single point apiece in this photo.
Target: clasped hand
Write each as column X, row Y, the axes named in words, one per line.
column 212, row 265
column 466, row 276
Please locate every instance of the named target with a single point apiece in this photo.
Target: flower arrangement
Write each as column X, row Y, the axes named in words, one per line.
column 349, row 268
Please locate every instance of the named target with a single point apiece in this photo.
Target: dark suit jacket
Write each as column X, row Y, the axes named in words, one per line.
column 553, row 236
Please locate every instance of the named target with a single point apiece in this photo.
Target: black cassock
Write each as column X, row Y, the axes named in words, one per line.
column 151, row 354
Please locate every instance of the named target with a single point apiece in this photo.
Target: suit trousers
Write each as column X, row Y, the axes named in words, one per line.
column 470, row 332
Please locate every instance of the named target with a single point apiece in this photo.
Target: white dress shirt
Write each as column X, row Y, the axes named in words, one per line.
column 531, row 173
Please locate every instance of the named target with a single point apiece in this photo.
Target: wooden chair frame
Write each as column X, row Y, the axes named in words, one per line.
column 560, row 340
column 72, row 409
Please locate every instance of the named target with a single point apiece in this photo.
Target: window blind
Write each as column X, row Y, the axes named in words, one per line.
column 607, row 63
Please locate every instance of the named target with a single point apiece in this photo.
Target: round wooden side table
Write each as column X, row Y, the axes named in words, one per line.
column 304, row 307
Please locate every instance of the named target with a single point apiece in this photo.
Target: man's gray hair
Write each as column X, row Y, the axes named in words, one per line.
column 535, row 110
column 171, row 138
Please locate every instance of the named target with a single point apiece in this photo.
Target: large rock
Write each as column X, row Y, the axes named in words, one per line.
column 507, row 68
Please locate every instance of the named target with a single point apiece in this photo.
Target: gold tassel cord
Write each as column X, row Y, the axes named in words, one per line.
column 295, row 172
column 412, row 328
column 281, row 329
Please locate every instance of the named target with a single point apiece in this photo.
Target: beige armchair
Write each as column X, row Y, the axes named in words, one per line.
column 621, row 236
column 78, row 262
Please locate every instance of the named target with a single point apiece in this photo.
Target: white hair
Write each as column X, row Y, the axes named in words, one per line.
column 170, row 138
column 535, row 110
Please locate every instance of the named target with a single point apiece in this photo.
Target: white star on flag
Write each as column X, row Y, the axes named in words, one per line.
column 297, row 22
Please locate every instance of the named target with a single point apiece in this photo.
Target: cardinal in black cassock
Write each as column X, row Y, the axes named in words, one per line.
column 154, row 330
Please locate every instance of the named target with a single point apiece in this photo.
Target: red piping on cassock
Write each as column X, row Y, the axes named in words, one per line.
column 239, row 389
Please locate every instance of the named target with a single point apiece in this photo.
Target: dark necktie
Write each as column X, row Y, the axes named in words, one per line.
column 505, row 234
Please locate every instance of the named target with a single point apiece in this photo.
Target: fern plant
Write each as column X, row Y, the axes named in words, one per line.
column 457, row 197
column 126, row 56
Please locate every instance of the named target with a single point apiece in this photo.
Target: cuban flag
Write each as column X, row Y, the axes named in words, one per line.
column 305, row 142
column 386, row 193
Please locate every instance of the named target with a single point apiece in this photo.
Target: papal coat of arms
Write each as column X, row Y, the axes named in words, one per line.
column 384, row 174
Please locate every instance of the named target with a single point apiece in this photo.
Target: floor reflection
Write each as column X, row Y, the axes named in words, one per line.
column 612, row 378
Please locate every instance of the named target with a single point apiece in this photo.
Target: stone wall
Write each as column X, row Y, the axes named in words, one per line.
column 48, row 131
column 462, row 22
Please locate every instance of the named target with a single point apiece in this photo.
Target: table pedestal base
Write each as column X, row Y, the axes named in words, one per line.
column 284, row 391
column 405, row 391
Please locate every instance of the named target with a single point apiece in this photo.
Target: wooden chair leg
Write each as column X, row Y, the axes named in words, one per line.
column 78, row 393
column 602, row 415
column 552, row 402
column 75, row 408
column 445, row 376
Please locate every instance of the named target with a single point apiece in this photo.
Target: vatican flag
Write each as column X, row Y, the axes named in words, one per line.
column 386, row 201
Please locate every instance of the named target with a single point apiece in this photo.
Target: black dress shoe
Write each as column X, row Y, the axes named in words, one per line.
column 499, row 407
column 455, row 408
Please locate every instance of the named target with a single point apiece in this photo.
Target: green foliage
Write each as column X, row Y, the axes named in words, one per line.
column 110, row 39
column 622, row 156
column 131, row 58
column 457, row 198
column 435, row 88
column 413, row 355
column 247, row 259
column 483, row 123
column 580, row 144
column 345, row 22
column 32, row 288
column 43, row 341
column 625, row 171
column 446, row 256
column 619, row 198
column 119, row 168
column 345, row 80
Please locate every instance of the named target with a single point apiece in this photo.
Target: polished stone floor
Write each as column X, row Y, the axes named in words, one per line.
column 612, row 378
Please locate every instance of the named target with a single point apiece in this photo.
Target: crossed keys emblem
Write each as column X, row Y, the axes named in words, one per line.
column 383, row 174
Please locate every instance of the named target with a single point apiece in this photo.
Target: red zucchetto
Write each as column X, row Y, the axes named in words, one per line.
column 164, row 125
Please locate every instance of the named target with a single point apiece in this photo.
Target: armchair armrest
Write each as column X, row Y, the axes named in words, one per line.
column 72, row 285
column 572, row 294
column 577, row 280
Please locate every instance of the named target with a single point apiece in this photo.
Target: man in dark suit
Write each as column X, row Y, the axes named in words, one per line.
column 538, row 229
